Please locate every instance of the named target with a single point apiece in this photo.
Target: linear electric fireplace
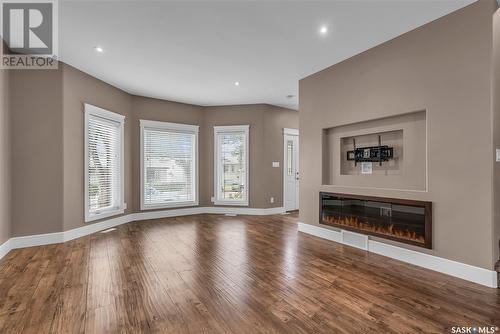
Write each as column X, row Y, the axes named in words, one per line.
column 402, row 220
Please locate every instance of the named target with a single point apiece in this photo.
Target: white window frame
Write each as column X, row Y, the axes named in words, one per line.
column 91, row 110
column 217, row 164
column 176, row 127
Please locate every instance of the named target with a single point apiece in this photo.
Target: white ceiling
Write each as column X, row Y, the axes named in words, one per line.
column 194, row 51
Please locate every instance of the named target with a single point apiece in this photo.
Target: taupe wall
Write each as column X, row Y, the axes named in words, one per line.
column 266, row 143
column 274, row 121
column 445, row 69
column 37, row 151
column 47, row 142
column 252, row 115
column 80, row 88
column 409, row 171
column 496, row 129
column 4, row 157
column 164, row 111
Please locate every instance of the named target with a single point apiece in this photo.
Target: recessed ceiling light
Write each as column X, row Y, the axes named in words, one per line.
column 323, row 30
column 236, row 83
column 99, row 49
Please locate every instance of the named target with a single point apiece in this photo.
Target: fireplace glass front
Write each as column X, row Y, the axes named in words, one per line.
column 402, row 220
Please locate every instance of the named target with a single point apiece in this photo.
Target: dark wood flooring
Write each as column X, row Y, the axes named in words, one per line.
column 217, row 274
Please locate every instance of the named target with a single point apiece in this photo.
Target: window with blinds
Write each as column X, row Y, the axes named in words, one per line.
column 231, row 164
column 103, row 163
column 169, row 164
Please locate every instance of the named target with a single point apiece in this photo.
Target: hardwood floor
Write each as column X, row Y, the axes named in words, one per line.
column 218, row 274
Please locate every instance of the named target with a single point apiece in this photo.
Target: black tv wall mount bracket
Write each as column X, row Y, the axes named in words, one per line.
column 378, row 153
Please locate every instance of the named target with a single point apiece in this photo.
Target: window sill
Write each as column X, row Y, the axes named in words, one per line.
column 93, row 217
column 169, row 205
column 231, row 203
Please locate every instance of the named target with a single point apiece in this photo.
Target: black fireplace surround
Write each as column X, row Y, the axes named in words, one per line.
column 403, row 220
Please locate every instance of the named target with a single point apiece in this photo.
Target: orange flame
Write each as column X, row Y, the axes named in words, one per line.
column 390, row 230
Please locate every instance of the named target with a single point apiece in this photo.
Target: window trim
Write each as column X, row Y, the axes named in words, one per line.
column 229, row 129
column 176, row 127
column 91, row 110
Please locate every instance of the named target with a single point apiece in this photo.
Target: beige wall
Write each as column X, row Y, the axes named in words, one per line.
column 408, row 170
column 164, row 111
column 37, row 151
column 266, row 143
column 496, row 129
column 275, row 119
column 445, row 69
column 252, row 115
column 79, row 88
column 4, row 157
column 48, row 145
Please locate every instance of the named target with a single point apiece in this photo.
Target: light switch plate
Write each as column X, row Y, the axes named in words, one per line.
column 276, row 164
column 498, row 154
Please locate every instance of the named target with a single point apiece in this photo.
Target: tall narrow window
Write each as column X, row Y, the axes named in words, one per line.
column 169, row 168
column 103, row 163
column 231, row 164
column 289, row 162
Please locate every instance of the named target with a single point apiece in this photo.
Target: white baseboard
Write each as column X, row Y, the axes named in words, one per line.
column 92, row 228
column 58, row 237
column 453, row 268
column 458, row 269
column 243, row 211
column 5, row 248
column 36, row 240
column 209, row 209
column 145, row 215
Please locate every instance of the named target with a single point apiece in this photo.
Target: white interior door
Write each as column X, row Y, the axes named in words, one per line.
column 291, row 170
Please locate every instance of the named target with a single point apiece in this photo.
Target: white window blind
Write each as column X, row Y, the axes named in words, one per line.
column 169, row 164
column 231, row 165
column 103, row 162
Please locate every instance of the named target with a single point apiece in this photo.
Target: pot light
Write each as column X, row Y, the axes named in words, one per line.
column 236, row 83
column 99, row 49
column 323, row 30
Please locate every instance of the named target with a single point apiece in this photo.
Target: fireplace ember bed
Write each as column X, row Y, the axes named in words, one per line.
column 403, row 220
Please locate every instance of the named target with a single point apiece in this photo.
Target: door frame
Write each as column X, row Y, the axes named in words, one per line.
column 290, row 132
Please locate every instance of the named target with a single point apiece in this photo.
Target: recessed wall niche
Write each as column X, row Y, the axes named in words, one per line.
column 389, row 142
column 404, row 134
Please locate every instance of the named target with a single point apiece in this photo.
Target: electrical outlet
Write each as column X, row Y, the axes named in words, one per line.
column 366, row 168
column 124, row 206
column 276, row 164
column 498, row 154
column 272, row 200
column 212, row 199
